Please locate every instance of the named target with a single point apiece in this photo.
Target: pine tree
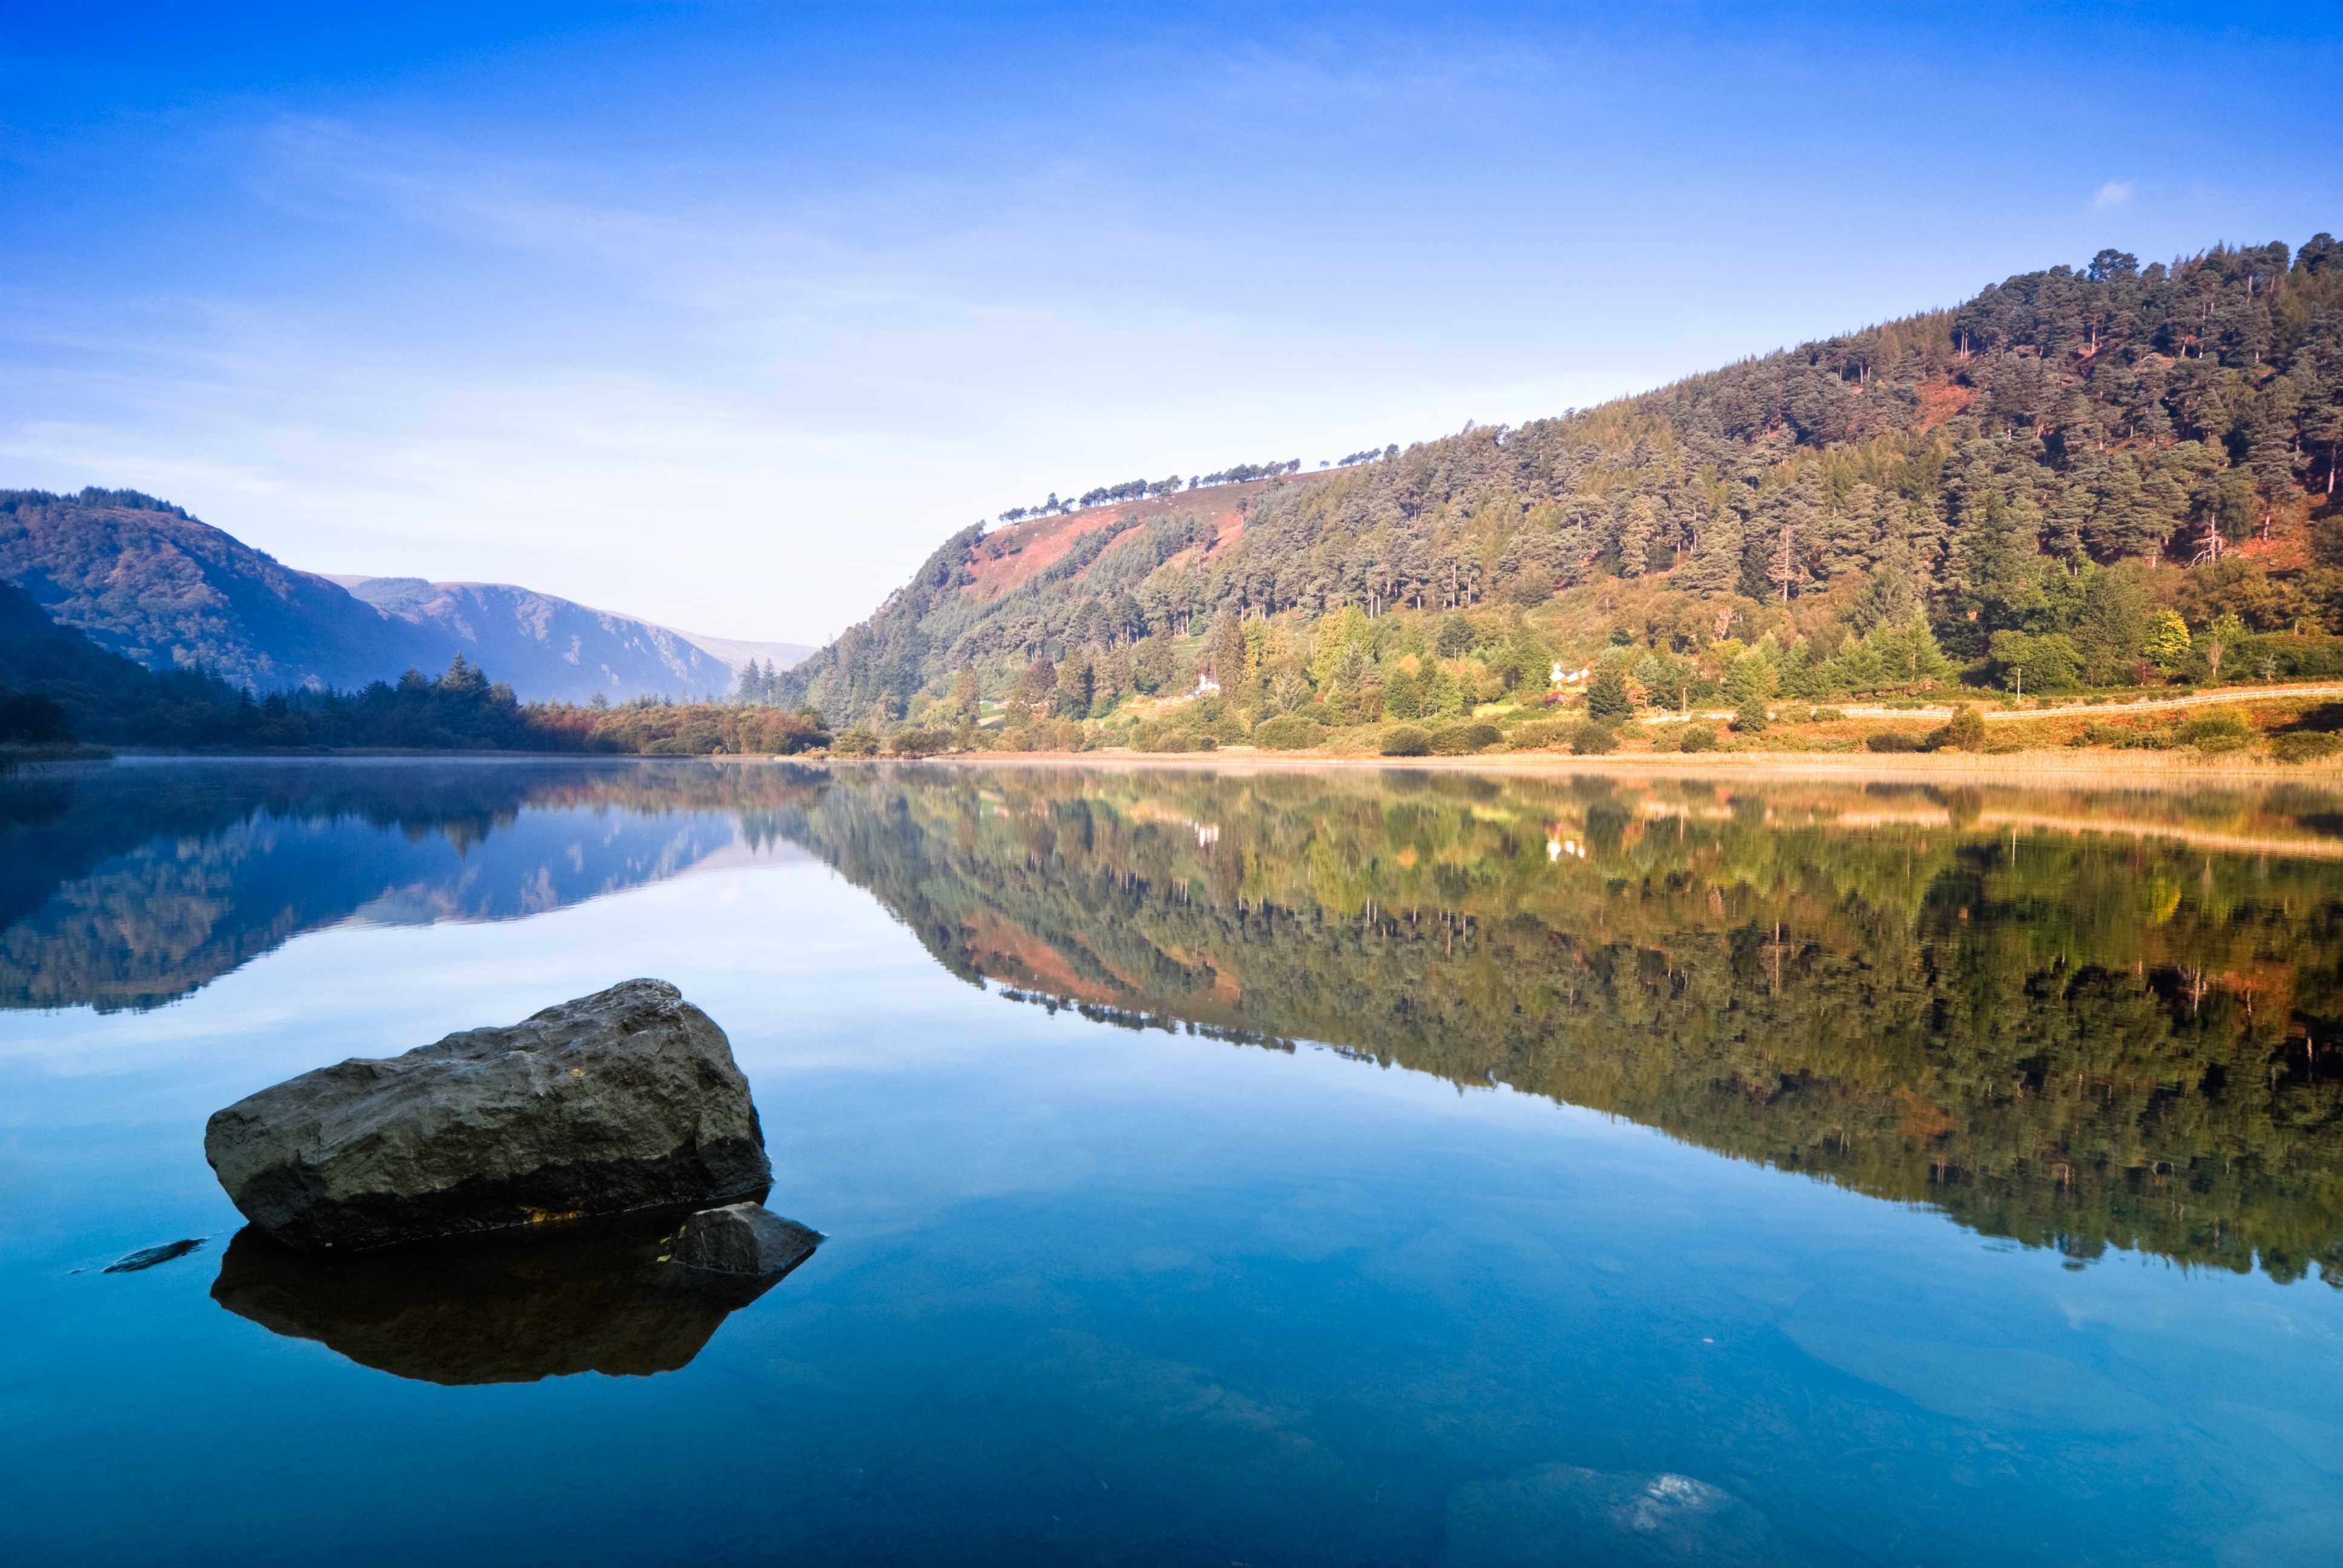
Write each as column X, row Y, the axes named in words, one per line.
column 1228, row 651
column 1403, row 697
column 1639, row 530
column 1606, row 695
column 1716, row 565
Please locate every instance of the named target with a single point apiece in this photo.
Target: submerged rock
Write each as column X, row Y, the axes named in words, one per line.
column 1560, row 1513
column 509, row 1308
column 625, row 1099
column 147, row 1257
column 744, row 1238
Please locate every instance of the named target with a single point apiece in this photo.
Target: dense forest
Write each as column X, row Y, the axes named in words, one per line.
column 142, row 578
column 1926, row 995
column 2096, row 477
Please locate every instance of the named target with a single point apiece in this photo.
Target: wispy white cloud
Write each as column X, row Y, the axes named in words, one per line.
column 734, row 345
column 608, row 386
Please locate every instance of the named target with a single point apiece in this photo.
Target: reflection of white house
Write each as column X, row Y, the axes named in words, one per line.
column 1206, row 687
column 1562, row 676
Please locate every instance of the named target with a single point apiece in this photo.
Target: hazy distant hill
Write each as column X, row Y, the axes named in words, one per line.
column 736, row 652
column 548, row 648
column 141, row 577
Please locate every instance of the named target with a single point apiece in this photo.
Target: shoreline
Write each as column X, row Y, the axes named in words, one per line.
column 2105, row 767
column 2124, row 767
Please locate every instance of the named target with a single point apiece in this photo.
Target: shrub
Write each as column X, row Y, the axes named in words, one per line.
column 2217, row 725
column 1794, row 716
column 918, row 743
column 2305, row 746
column 1462, row 739
column 2214, row 732
column 1291, row 733
column 1828, row 716
column 1894, row 740
column 2105, row 735
column 1697, row 738
column 1593, row 739
column 1403, row 740
column 856, row 741
column 1966, row 732
column 1750, row 718
column 1540, row 733
column 1173, row 739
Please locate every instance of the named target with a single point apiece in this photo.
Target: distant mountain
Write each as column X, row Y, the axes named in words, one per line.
column 736, row 652
column 142, row 578
column 554, row 648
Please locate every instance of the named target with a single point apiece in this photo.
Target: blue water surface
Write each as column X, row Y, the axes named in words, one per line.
column 1090, row 1293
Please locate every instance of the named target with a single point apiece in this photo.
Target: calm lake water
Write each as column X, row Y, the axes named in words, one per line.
column 1263, row 1168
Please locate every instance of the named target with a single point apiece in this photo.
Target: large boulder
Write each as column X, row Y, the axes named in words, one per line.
column 626, row 1100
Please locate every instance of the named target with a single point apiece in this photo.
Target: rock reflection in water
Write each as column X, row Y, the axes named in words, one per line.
column 513, row 1309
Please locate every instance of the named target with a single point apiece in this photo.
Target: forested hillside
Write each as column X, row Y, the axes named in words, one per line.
column 58, row 686
column 2016, row 490
column 144, row 579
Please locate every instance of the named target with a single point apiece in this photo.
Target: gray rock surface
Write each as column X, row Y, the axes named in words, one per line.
column 622, row 1100
column 744, row 1238
column 147, row 1257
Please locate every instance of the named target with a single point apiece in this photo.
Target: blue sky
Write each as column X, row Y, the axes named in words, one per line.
column 726, row 314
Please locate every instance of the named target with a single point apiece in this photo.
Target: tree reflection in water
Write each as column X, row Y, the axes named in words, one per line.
column 2079, row 1019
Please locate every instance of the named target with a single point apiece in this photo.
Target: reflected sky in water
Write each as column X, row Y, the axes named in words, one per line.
column 1319, row 1168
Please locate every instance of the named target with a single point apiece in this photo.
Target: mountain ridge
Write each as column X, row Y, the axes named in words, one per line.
column 147, row 580
column 732, row 652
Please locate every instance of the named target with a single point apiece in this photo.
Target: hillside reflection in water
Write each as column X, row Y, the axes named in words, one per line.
column 2075, row 1018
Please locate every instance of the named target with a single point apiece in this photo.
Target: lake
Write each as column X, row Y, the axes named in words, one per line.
column 1216, row 1167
